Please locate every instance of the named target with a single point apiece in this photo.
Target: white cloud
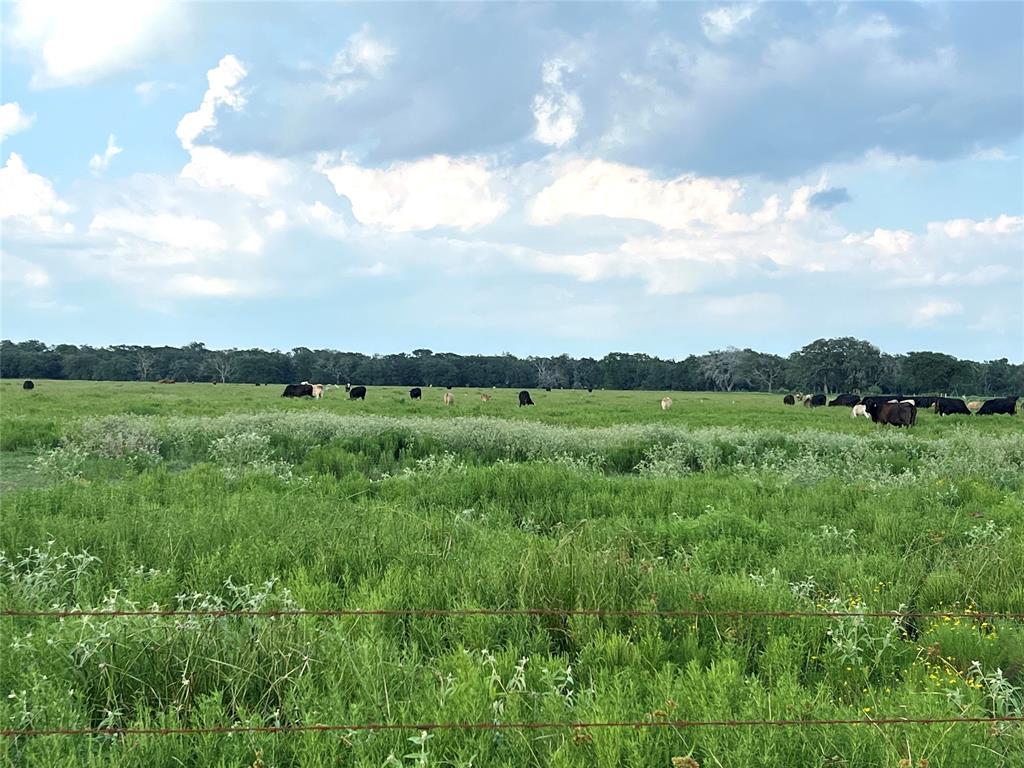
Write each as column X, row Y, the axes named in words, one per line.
column 364, row 58
column 363, row 53
column 202, row 286
column 148, row 90
column 180, row 233
column 723, row 22
column 928, row 313
column 960, row 228
column 100, row 163
column 600, row 188
column 890, row 242
column 13, row 120
column 17, row 271
column 223, row 90
column 74, row 42
column 253, row 175
column 30, row 198
column 436, row 191
column 557, row 110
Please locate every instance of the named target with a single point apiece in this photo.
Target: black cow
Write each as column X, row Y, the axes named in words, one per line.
column 590, row 389
column 789, row 400
column 357, row 393
column 925, row 402
column 947, row 406
column 547, row 389
column 848, row 400
column 28, row 384
column 896, row 414
column 415, row 393
column 298, row 390
column 1006, row 405
column 813, row 401
column 879, row 399
column 524, row 399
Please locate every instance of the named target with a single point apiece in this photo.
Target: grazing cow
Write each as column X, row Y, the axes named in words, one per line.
column 257, row 384
column 974, row 405
column 318, row 391
column 847, row 400
column 859, row 410
column 896, row 414
column 166, row 381
column 524, row 399
column 789, row 400
column 449, row 398
column 666, row 403
column 946, row 406
column 485, row 398
column 357, row 393
column 547, row 389
column 27, row 384
column 298, row 390
column 1007, row 405
column 415, row 393
column 813, row 401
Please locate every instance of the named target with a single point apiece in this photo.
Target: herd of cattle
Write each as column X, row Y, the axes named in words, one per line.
column 305, row 389
column 897, row 410
column 901, row 411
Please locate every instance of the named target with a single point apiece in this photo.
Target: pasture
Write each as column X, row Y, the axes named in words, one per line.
column 194, row 497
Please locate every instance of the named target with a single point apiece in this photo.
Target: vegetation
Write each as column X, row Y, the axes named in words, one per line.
column 131, row 495
column 829, row 365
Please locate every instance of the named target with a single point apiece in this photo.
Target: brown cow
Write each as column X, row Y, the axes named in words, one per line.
column 974, row 405
column 449, row 398
column 894, row 413
column 485, row 398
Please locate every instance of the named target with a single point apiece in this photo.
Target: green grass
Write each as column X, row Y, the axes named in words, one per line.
column 232, row 497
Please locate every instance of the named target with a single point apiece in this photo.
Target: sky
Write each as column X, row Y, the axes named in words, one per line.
column 667, row 178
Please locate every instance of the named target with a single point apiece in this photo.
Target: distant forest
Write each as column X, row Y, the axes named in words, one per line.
column 826, row 365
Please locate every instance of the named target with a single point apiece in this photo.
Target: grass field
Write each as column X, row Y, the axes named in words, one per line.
column 130, row 496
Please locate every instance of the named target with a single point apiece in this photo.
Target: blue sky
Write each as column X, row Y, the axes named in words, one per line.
column 658, row 177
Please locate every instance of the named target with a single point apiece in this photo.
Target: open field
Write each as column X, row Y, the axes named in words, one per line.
column 128, row 496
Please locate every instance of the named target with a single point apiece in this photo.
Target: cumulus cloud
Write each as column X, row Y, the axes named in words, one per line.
column 222, row 91
column 557, row 111
column 73, row 43
column 363, row 59
column 182, row 234
column 890, row 242
column 725, row 21
column 29, row 199
column 960, row 228
column 600, row 188
column 436, row 191
column 931, row 311
column 13, row 120
column 100, row 163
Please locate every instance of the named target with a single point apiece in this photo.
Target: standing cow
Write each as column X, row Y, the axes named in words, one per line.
column 524, row 398
column 27, row 384
column 847, row 400
column 859, row 410
column 666, row 403
column 896, row 414
column 318, row 391
column 1007, row 405
column 298, row 390
column 415, row 393
column 789, row 400
column 947, row 406
column 357, row 393
column 449, row 398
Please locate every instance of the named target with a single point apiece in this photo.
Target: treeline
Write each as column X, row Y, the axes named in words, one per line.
column 825, row 365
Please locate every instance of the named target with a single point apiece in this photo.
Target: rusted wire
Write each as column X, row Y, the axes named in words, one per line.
column 492, row 726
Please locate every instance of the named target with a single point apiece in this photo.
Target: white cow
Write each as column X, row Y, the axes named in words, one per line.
column 318, row 391
column 666, row 403
column 860, row 410
column 449, row 398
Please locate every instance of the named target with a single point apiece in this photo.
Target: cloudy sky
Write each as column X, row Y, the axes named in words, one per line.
column 665, row 178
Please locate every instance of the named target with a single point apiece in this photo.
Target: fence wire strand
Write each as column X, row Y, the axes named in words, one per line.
column 508, row 612
column 492, row 726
